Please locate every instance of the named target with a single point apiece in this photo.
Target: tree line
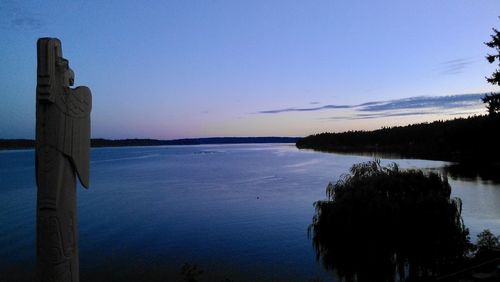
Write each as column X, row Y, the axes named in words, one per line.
column 464, row 140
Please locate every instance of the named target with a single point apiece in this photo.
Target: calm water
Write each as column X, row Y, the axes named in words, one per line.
column 237, row 211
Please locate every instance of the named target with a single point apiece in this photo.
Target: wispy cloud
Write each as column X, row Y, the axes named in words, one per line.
column 14, row 14
column 443, row 102
column 379, row 115
column 305, row 109
column 456, row 66
column 27, row 22
column 422, row 105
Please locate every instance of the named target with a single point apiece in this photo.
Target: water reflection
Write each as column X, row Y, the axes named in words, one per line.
column 488, row 173
column 151, row 209
column 483, row 173
column 382, row 224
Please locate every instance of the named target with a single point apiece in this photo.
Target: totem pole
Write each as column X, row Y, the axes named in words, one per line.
column 62, row 152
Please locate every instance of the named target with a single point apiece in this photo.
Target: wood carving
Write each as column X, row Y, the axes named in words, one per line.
column 62, row 152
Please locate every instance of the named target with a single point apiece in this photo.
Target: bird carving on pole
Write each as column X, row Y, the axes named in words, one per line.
column 62, row 150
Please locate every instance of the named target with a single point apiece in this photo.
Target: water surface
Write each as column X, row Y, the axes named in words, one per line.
column 237, row 211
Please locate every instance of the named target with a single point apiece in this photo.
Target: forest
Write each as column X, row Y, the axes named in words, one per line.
column 465, row 140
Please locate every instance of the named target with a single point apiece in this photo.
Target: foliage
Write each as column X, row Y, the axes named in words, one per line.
column 463, row 140
column 381, row 222
column 494, row 44
column 486, row 240
column 492, row 100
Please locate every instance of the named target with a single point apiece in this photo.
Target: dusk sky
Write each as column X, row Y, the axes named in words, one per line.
column 180, row 69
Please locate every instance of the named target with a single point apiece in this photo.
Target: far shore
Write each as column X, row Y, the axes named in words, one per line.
column 469, row 140
column 15, row 144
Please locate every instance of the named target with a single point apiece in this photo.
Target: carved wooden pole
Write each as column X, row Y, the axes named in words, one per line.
column 62, row 152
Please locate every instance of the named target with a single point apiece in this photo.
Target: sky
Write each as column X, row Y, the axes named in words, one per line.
column 184, row 69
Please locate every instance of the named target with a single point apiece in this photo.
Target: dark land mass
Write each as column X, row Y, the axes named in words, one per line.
column 473, row 140
column 99, row 142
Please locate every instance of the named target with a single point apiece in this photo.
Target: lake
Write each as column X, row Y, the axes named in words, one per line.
column 237, row 212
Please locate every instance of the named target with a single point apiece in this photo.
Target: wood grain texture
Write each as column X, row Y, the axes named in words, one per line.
column 62, row 149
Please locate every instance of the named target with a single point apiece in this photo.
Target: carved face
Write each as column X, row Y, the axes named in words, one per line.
column 69, row 75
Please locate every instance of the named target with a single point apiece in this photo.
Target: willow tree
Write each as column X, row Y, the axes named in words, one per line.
column 379, row 223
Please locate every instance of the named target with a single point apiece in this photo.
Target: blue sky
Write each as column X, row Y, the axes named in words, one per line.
column 176, row 69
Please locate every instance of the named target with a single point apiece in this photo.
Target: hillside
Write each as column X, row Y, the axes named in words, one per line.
column 467, row 140
column 99, row 142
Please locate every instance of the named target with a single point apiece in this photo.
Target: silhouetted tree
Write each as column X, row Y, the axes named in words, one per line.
column 459, row 140
column 493, row 99
column 487, row 245
column 382, row 222
column 492, row 102
column 487, row 240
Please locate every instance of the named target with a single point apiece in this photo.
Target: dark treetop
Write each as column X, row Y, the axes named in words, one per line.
column 465, row 140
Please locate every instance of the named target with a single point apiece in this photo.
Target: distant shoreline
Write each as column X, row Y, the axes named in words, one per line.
column 14, row 144
column 473, row 140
